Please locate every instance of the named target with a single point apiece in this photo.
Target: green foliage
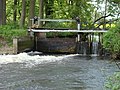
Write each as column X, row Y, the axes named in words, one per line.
column 112, row 39
column 72, row 9
column 114, row 7
column 10, row 10
column 113, row 82
column 8, row 32
column 60, row 25
column 64, row 9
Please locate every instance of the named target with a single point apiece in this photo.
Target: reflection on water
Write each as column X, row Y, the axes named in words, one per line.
column 54, row 72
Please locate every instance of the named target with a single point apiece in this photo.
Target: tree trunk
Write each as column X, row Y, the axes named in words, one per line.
column 15, row 11
column 48, row 8
column 41, row 11
column 22, row 20
column 41, row 6
column 2, row 12
column 1, row 9
column 31, row 11
column 105, row 12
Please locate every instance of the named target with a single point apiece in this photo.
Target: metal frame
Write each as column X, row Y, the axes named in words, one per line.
column 84, row 31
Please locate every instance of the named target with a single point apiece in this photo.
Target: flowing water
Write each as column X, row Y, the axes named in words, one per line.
column 95, row 48
column 54, row 72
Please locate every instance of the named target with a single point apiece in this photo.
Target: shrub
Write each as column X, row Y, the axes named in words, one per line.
column 8, row 32
column 111, row 40
column 113, row 82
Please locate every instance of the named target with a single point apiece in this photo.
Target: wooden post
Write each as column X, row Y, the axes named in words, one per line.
column 78, row 37
column 78, row 27
column 15, row 46
column 92, row 37
column 39, row 22
column 32, row 22
column 98, row 34
column 90, row 43
column 101, row 37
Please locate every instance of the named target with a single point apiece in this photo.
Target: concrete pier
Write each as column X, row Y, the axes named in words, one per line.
column 22, row 45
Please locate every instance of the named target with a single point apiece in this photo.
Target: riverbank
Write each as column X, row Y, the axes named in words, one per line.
column 17, row 45
column 7, row 33
column 4, row 47
column 6, row 50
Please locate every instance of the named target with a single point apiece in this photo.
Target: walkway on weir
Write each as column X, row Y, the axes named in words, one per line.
column 60, row 30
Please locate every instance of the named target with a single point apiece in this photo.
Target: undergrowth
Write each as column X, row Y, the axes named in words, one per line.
column 113, row 82
column 10, row 31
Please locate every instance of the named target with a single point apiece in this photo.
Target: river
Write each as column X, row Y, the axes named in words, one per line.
column 54, row 72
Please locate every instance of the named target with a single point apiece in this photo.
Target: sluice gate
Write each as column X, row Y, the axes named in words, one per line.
column 90, row 43
column 86, row 41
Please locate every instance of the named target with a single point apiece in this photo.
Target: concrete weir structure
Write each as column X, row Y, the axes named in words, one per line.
column 22, row 44
column 85, row 42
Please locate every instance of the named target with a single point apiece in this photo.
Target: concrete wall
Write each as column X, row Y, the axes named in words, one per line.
column 19, row 45
column 22, row 44
column 56, row 45
column 6, row 50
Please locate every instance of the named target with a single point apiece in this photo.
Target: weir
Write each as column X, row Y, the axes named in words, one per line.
column 86, row 41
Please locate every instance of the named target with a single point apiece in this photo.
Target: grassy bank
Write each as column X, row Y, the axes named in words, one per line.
column 8, row 32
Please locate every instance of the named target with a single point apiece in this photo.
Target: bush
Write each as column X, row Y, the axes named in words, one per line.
column 111, row 40
column 113, row 82
column 8, row 32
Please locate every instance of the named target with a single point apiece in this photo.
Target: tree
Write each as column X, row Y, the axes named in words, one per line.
column 22, row 20
column 31, row 11
column 41, row 11
column 61, row 9
column 114, row 7
column 2, row 12
column 15, row 11
column 49, row 8
column 69, row 9
column 111, row 9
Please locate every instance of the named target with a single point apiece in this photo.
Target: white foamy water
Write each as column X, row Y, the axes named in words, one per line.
column 31, row 60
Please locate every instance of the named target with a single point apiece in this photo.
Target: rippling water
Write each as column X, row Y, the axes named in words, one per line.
column 54, row 72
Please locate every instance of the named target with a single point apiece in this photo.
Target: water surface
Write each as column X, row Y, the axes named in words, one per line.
column 54, row 72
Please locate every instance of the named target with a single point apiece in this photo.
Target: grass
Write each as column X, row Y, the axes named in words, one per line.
column 8, row 32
